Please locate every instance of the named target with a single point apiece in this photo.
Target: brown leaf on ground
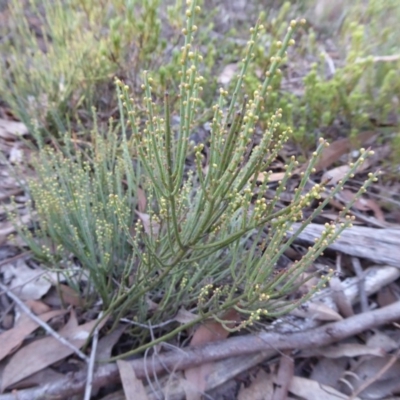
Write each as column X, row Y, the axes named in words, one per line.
column 274, row 177
column 382, row 382
column 65, row 295
column 388, row 295
column 39, row 378
column 336, row 149
column 43, row 352
column 328, row 371
column 363, row 204
column 106, row 343
column 10, row 130
column 133, row 387
column 228, row 73
column 312, row 390
column 8, row 228
column 284, row 377
column 13, row 338
column 184, row 316
column 261, row 388
column 149, row 226
column 209, row 331
column 345, row 350
column 142, row 201
column 380, row 339
column 333, row 176
column 28, row 283
column 340, row 299
column 37, row 306
column 317, row 311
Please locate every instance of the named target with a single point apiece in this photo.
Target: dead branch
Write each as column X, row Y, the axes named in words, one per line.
column 246, row 344
column 379, row 245
column 284, row 377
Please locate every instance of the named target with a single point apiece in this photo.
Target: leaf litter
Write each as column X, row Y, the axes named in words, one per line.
column 46, row 351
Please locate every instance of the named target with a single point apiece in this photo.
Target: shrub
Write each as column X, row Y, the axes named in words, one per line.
column 205, row 239
column 60, row 56
column 364, row 89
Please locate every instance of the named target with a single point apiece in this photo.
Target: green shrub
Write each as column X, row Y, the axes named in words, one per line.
column 206, row 238
column 363, row 89
column 60, row 56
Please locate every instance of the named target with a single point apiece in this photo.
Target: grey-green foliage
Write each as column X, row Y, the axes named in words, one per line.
column 207, row 240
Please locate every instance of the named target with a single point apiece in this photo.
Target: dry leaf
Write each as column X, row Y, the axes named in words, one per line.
column 341, row 301
column 317, row 311
column 142, row 201
column 37, row 306
column 133, row 387
column 312, row 390
column 228, row 73
column 65, row 295
column 7, row 228
column 261, row 388
column 39, row 378
column 387, row 295
column 328, row 371
column 70, row 296
column 151, row 304
column 385, row 383
column 283, row 377
column 362, row 204
column 332, row 153
column 336, row 149
column 28, row 283
column 41, row 353
column 379, row 339
column 275, row 177
column 209, row 331
column 333, row 176
column 150, row 227
column 16, row 155
column 106, row 343
column 12, row 129
column 184, row 316
column 12, row 338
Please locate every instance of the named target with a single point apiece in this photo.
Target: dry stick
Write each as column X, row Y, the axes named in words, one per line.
column 342, row 301
column 41, row 323
column 284, row 377
column 374, row 378
column 247, row 344
column 361, row 284
column 89, row 381
column 390, row 58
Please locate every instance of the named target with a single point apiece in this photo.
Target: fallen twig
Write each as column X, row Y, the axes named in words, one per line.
column 246, row 344
column 89, row 381
column 374, row 378
column 379, row 245
column 284, row 377
column 41, row 323
column 390, row 58
column 361, row 283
